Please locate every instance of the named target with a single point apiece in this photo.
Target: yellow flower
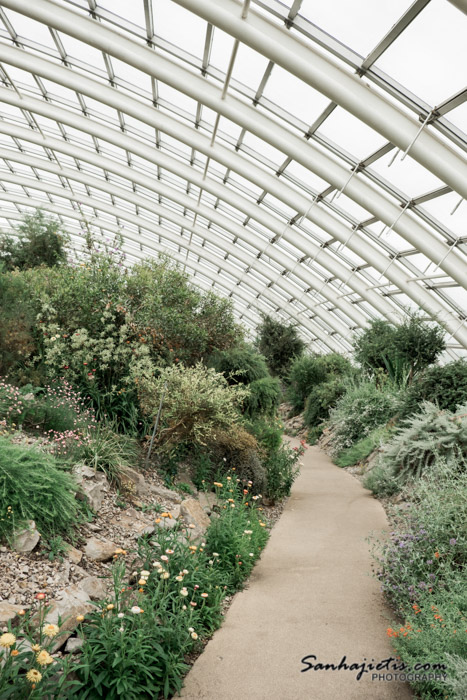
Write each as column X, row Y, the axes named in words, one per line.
column 43, row 658
column 141, row 582
column 7, row 639
column 34, row 676
column 110, row 606
column 51, row 630
column 79, row 618
column 218, row 483
column 36, row 647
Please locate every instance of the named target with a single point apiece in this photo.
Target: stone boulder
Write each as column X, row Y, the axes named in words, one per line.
column 208, row 501
column 99, row 550
column 165, row 494
column 192, row 514
column 93, row 486
column 94, row 587
column 134, row 521
column 8, row 612
column 73, row 554
column 26, row 539
column 63, row 612
column 133, row 482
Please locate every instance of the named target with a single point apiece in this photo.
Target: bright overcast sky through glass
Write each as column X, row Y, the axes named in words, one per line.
column 305, row 159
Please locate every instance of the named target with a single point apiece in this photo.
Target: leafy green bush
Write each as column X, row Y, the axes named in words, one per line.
column 363, row 448
column 34, row 487
column 360, row 410
column 241, row 364
column 40, row 240
column 382, row 482
column 99, row 324
column 445, row 386
column 423, row 438
column 321, row 399
column 281, row 471
column 237, row 449
column 197, row 403
column 279, row 343
column 305, row 373
column 264, row 397
column 402, row 350
column 268, row 433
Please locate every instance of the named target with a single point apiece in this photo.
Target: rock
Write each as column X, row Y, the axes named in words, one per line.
column 134, row 521
column 99, row 550
column 175, row 511
column 192, row 514
column 8, row 612
column 93, row 486
column 73, row 602
column 26, row 539
column 184, row 477
column 208, row 501
column 73, row 645
column 94, row 587
column 73, row 554
column 166, row 523
column 133, row 482
column 166, row 494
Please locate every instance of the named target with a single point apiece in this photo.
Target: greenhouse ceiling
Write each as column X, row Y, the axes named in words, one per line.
column 306, row 159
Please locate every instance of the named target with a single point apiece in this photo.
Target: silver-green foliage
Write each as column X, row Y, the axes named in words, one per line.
column 423, row 438
column 360, row 410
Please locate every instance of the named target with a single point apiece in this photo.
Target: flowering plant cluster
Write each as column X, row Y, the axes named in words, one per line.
column 28, row 666
column 137, row 642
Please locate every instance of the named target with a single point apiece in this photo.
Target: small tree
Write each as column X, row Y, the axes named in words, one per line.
column 400, row 351
column 279, row 343
column 41, row 241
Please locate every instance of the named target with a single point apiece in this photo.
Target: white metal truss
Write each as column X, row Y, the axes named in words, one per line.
column 237, row 220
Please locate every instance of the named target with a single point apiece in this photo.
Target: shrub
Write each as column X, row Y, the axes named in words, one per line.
column 305, row 373
column 423, row 438
column 428, row 549
column 402, row 350
column 381, row 482
column 432, row 634
column 363, row 448
column 18, row 335
column 237, row 449
column 34, row 487
column 360, row 410
column 264, row 397
column 56, row 408
column 241, row 364
column 321, row 399
column 279, row 343
column 99, row 324
column 281, row 471
column 41, row 241
column 197, row 403
column 445, row 386
column 267, row 432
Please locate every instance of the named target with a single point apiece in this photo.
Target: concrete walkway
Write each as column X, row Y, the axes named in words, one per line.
column 310, row 594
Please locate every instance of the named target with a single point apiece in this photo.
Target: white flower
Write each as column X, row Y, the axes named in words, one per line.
column 121, row 629
column 194, row 635
column 135, row 610
column 184, row 591
column 191, row 629
column 215, row 554
column 145, row 574
column 120, row 615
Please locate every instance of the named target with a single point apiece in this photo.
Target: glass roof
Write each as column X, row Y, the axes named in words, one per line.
column 304, row 159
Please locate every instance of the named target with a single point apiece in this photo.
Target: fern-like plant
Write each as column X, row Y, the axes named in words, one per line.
column 423, row 438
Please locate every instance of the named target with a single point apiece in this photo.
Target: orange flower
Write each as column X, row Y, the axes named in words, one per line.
column 437, row 555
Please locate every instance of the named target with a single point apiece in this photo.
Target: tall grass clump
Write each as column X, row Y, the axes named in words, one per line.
column 34, row 487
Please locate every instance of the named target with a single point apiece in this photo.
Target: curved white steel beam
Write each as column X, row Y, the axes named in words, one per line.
column 304, row 152
column 159, row 230
column 342, row 87
column 356, row 242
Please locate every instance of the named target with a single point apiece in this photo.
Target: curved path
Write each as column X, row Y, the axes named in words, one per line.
column 311, row 593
